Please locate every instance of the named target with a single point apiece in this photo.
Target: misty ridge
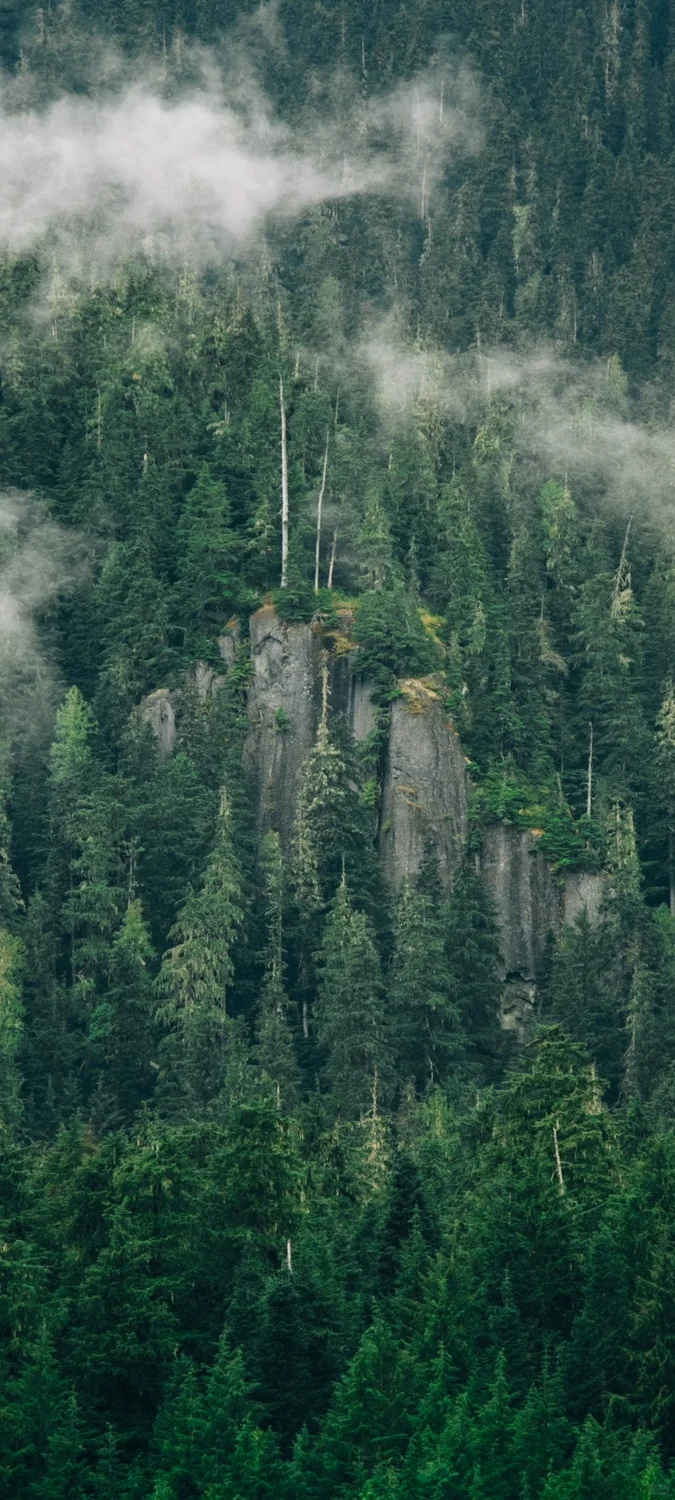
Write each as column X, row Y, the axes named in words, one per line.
column 144, row 166
column 571, row 416
column 197, row 172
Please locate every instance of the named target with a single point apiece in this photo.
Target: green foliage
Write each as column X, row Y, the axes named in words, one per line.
column 506, row 793
column 393, row 641
column 350, row 1012
column 283, row 1210
column 208, row 588
column 197, row 973
column 423, row 1006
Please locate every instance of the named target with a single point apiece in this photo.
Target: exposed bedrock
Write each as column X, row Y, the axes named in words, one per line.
column 425, row 796
column 525, row 896
column 284, row 705
column 584, row 892
column 159, row 712
column 425, row 788
column 530, row 904
column 529, row 900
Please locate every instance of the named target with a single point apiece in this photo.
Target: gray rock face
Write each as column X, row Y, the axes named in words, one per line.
column 517, row 1006
column 206, row 681
column 583, row 892
column 284, row 706
column 525, row 896
column 425, row 797
column 363, row 713
column 159, row 712
column 228, row 643
column 425, row 793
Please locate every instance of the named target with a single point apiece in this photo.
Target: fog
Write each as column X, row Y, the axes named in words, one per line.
column 135, row 167
column 39, row 563
column 570, row 416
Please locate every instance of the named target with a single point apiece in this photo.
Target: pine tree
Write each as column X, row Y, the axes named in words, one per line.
column 423, row 1010
column 12, row 963
column 274, row 1050
column 122, row 1032
column 198, row 971
column 208, row 589
column 473, row 970
column 350, row 1012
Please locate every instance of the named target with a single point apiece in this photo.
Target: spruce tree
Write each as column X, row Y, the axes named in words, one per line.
column 423, row 1009
column 274, row 1048
column 203, row 1050
column 350, row 1012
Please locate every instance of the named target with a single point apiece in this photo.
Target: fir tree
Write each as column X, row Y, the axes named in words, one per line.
column 198, row 971
column 350, row 1012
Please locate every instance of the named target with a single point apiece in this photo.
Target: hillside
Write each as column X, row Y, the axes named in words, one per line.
column 337, row 750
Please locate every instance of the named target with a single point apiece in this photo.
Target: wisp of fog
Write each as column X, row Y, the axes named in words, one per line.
column 39, row 562
column 200, row 172
column 571, row 418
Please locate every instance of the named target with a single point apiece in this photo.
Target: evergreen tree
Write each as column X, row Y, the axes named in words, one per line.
column 472, row 969
column 274, row 1051
column 350, row 1012
column 204, row 1043
column 423, row 1011
column 207, row 589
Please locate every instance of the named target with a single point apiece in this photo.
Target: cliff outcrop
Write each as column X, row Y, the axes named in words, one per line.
column 425, row 793
column 424, row 802
column 284, row 700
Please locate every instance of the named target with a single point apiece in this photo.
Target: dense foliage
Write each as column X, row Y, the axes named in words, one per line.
column 285, row 1212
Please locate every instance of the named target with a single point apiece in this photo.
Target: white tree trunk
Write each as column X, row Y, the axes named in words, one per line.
column 332, row 559
column 589, row 782
column 284, row 489
column 558, row 1163
column 319, row 510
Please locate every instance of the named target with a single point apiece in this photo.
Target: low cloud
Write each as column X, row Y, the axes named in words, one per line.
column 40, row 562
column 571, row 419
column 139, row 169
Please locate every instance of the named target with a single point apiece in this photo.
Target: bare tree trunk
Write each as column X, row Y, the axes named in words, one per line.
column 558, row 1163
column 322, row 492
column 589, row 782
column 284, row 489
column 289, row 1257
column 332, row 559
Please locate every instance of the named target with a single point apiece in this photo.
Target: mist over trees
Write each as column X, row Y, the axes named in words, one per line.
column 365, row 314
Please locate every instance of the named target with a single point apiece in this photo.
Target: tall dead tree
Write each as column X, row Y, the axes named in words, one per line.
column 284, row 489
column 319, row 511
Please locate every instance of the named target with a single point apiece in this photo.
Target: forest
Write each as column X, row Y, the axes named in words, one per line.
column 363, row 317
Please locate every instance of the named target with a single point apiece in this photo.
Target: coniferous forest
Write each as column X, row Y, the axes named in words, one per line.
column 356, row 320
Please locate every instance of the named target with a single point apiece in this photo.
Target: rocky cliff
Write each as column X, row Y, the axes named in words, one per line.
column 531, row 905
column 158, row 710
column 284, row 706
column 424, row 794
column 525, row 895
